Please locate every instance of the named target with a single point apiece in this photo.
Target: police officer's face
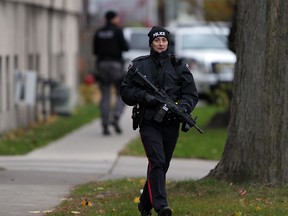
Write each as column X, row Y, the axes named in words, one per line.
column 160, row 44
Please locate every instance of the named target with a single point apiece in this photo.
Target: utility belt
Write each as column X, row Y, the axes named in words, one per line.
column 136, row 116
column 161, row 115
column 170, row 119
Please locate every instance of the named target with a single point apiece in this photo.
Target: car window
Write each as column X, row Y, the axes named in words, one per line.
column 204, row 41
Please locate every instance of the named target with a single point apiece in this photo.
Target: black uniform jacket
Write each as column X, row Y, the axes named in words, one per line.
column 165, row 72
column 109, row 43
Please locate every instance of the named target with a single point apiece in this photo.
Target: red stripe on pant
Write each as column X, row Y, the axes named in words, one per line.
column 149, row 185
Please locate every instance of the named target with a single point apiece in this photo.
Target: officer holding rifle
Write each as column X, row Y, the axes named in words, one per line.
column 158, row 126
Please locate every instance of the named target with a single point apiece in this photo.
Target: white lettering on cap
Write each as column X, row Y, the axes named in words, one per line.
column 159, row 34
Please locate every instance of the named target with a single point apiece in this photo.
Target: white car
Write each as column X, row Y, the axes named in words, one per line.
column 205, row 50
column 138, row 43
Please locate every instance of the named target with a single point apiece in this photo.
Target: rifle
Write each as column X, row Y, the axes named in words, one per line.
column 168, row 104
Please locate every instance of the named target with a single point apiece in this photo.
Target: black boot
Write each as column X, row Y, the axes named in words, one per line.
column 116, row 126
column 166, row 211
column 106, row 131
column 143, row 212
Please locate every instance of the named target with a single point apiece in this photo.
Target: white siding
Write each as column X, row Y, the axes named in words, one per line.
column 40, row 39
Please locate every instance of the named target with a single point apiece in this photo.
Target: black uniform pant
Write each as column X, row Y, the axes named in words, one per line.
column 159, row 141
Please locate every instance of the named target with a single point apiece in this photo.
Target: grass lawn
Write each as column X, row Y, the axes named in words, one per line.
column 22, row 141
column 186, row 198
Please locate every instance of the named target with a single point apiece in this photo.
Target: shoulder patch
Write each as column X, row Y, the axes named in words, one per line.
column 188, row 67
column 130, row 65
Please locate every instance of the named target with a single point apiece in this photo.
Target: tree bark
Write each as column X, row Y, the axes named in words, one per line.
column 256, row 148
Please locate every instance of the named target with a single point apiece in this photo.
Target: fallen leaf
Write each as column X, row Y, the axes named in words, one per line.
column 64, row 199
column 258, row 208
column 142, row 181
column 242, row 192
column 47, row 211
column 34, row 212
column 85, row 202
column 131, row 179
column 137, row 200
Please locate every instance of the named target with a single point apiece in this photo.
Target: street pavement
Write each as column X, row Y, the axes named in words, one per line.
column 37, row 182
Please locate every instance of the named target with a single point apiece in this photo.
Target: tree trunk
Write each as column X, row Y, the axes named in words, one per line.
column 256, row 149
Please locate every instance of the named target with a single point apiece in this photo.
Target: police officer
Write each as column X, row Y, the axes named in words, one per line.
column 108, row 45
column 159, row 138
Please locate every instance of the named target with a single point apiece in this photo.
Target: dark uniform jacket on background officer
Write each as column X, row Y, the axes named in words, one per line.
column 109, row 43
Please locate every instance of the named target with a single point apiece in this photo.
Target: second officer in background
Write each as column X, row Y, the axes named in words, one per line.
column 108, row 45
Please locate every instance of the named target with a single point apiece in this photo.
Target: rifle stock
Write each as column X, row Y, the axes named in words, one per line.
column 163, row 98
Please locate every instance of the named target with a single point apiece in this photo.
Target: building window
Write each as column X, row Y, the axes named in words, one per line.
column 30, row 62
column 15, row 62
column 38, row 63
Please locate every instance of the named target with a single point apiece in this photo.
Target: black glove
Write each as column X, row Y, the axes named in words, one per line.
column 185, row 127
column 150, row 100
column 183, row 107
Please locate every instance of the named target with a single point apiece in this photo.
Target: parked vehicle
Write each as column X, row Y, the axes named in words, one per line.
column 138, row 43
column 205, row 50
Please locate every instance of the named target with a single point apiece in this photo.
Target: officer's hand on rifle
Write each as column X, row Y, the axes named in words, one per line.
column 185, row 127
column 149, row 99
column 183, row 107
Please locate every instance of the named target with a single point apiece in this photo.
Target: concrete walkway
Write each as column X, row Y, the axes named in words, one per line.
column 37, row 182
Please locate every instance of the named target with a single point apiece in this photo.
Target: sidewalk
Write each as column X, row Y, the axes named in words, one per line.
column 37, row 182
